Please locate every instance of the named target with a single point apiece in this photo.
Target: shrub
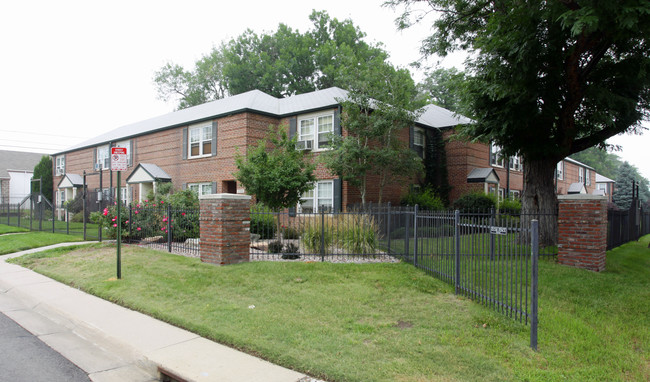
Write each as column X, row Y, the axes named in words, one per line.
column 275, row 246
column 290, row 233
column 510, row 206
column 312, row 234
column 77, row 218
column 475, row 201
column 291, row 252
column 356, row 233
column 262, row 221
column 426, row 199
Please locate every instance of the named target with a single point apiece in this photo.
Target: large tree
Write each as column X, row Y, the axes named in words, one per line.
column 547, row 78
column 43, row 171
column 281, row 63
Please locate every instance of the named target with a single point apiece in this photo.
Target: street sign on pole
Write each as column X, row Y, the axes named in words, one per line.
column 118, row 159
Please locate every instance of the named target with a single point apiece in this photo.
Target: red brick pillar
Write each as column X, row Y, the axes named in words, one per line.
column 582, row 231
column 225, row 228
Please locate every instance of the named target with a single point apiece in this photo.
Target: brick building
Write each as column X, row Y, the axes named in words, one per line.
column 16, row 170
column 195, row 148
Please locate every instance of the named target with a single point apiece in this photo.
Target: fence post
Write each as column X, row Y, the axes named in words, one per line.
column 130, row 224
column 67, row 221
column 492, row 222
column 406, row 237
column 457, row 249
column 534, row 232
column 31, row 212
column 322, row 235
column 169, row 228
column 388, row 227
column 415, row 236
column 53, row 220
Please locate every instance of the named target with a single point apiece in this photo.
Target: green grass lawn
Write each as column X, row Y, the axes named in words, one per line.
column 9, row 229
column 21, row 242
column 383, row 322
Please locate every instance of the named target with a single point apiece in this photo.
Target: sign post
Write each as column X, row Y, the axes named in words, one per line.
column 119, row 164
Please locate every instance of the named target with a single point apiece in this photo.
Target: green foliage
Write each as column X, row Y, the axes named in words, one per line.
column 290, row 233
column 355, row 232
column 426, row 199
column 262, row 222
column 281, row 63
column 547, row 78
column 444, row 88
column 275, row 246
column 43, row 171
column 274, row 171
column 374, row 114
column 435, row 165
column 511, row 206
column 623, row 191
column 475, row 201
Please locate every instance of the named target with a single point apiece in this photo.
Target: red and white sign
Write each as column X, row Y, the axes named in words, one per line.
column 119, row 160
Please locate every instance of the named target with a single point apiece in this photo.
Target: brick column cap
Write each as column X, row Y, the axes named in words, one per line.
column 581, row 197
column 225, row 196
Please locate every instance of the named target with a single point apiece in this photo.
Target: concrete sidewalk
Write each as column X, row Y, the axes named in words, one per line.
column 112, row 343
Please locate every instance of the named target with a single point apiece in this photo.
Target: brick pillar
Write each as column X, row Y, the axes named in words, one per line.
column 582, row 231
column 225, row 228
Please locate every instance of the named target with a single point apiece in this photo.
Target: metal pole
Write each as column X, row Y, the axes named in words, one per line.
column 101, row 190
column 534, row 280
column 322, row 235
column 457, row 249
column 415, row 236
column 85, row 194
column 169, row 226
column 492, row 221
column 119, row 231
column 388, row 227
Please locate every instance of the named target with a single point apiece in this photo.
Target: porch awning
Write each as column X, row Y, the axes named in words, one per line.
column 148, row 173
column 483, row 175
column 71, row 181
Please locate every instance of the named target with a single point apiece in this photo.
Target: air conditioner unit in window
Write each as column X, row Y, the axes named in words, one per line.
column 98, row 166
column 304, row 145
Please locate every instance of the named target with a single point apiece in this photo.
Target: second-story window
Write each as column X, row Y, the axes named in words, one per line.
column 60, row 165
column 515, row 163
column 560, row 170
column 581, row 176
column 103, row 158
column 496, row 159
column 200, row 140
column 318, row 129
column 587, row 177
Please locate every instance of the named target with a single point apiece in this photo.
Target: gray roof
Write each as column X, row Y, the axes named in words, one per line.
column 480, row 175
column 156, row 172
column 603, row 179
column 18, row 161
column 576, row 188
column 260, row 102
column 75, row 179
column 578, row 163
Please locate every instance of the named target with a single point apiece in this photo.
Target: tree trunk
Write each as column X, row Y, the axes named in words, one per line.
column 539, row 196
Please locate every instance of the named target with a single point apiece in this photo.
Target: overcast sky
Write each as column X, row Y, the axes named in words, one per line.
column 71, row 70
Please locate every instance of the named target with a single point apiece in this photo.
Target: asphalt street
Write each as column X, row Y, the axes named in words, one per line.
column 25, row 358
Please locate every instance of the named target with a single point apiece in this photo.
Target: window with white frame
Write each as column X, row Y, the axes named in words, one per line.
column 515, row 194
column 103, row 160
column 127, row 146
column 515, row 163
column 587, row 177
column 123, row 194
column 559, row 171
column 319, row 198
column 496, row 159
column 581, row 176
column 200, row 140
column 418, row 137
column 318, row 129
column 200, row 188
column 60, row 165
column 61, row 198
column 601, row 186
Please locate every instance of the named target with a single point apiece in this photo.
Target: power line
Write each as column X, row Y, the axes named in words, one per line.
column 46, row 149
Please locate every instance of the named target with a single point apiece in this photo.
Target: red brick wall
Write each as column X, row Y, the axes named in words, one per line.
column 225, row 228
column 582, row 231
column 571, row 175
column 463, row 157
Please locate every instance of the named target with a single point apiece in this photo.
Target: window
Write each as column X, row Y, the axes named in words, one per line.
column 103, row 161
column 123, row 194
column 559, row 171
column 587, row 177
column 127, row 145
column 318, row 129
column 601, row 186
column 515, row 163
column 515, row 194
column 496, row 159
column 501, row 193
column 200, row 188
column 61, row 198
column 418, row 137
column 581, row 176
column 200, row 140
column 319, row 198
column 60, row 165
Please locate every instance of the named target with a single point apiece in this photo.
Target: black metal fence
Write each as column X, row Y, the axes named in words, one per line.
column 627, row 225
